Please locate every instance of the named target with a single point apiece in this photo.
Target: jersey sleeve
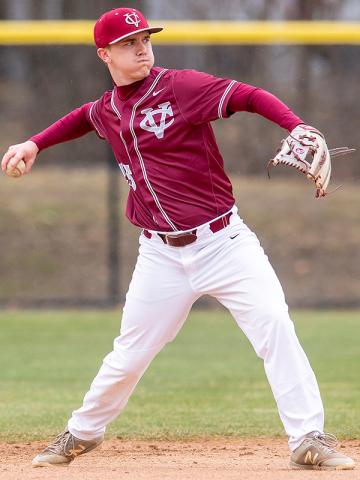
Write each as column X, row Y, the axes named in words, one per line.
column 256, row 100
column 73, row 125
column 94, row 118
column 201, row 97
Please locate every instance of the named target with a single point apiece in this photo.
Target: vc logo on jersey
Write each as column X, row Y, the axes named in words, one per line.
column 155, row 120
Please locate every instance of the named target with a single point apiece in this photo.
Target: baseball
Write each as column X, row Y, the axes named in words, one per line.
column 16, row 172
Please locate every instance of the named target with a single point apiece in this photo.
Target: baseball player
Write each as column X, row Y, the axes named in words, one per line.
column 192, row 242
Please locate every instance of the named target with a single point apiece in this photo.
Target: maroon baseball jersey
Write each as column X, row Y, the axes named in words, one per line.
column 159, row 129
column 161, row 136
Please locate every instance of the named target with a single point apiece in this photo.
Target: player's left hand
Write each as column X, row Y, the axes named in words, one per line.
column 305, row 141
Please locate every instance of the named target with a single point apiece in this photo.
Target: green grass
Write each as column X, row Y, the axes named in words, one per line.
column 208, row 382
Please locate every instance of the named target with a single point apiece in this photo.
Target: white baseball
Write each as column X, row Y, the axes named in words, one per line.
column 16, row 172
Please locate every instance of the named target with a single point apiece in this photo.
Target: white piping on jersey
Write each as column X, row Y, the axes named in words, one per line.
column 223, row 98
column 143, row 169
column 93, row 120
column 127, row 151
column 113, row 104
column 119, row 116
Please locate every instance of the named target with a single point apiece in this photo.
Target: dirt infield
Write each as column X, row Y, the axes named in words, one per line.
column 248, row 459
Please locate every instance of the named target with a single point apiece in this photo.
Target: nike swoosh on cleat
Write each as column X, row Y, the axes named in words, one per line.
column 157, row 93
column 234, row 236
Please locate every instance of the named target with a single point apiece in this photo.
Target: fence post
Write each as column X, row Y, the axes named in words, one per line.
column 113, row 230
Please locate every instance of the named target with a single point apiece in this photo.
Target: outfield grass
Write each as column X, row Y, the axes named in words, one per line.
column 208, row 382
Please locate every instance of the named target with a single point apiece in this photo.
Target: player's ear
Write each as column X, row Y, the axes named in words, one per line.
column 103, row 53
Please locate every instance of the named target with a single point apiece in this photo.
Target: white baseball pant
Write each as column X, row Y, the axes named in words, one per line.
column 231, row 266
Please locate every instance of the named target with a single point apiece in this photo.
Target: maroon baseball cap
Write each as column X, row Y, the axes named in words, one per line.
column 120, row 23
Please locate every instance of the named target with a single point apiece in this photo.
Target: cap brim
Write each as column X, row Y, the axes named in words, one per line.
column 149, row 29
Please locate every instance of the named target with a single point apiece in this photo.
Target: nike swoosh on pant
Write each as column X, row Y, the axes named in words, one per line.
column 234, row 236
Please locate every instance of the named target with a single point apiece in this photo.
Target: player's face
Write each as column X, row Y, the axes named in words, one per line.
column 129, row 60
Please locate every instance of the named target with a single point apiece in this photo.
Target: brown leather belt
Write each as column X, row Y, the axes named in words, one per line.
column 183, row 239
column 180, row 240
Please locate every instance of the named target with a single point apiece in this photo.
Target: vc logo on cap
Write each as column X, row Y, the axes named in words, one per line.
column 132, row 19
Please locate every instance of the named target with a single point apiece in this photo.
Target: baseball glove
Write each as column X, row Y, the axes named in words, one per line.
column 306, row 142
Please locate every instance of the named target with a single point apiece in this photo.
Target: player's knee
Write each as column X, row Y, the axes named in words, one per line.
column 128, row 365
column 274, row 326
column 131, row 371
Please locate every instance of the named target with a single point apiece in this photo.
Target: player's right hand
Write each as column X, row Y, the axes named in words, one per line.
column 26, row 151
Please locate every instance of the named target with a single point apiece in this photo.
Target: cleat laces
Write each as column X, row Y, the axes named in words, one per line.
column 328, row 442
column 60, row 443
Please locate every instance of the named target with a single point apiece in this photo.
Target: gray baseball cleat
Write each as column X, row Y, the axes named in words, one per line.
column 64, row 449
column 317, row 452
